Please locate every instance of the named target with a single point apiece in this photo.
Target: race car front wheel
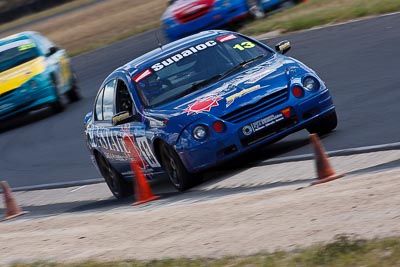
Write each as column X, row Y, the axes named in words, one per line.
column 180, row 178
column 119, row 187
column 325, row 125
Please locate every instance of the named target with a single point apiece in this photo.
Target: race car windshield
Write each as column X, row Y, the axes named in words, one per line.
column 196, row 67
column 17, row 53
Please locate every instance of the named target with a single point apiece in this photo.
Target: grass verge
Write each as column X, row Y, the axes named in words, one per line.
column 109, row 21
column 344, row 251
column 93, row 26
column 44, row 14
column 320, row 12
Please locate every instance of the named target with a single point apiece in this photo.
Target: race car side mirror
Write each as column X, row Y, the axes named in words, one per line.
column 88, row 117
column 52, row 50
column 282, row 47
column 122, row 117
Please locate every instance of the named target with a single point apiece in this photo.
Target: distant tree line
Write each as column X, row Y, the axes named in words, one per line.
column 14, row 9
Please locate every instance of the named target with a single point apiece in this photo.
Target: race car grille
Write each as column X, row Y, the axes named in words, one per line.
column 261, row 106
column 269, row 131
column 6, row 94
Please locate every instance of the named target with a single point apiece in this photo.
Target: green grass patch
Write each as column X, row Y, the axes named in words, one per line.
column 320, row 12
column 344, row 251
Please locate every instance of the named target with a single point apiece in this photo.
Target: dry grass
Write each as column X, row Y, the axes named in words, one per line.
column 343, row 252
column 99, row 24
column 320, row 12
column 112, row 20
column 42, row 14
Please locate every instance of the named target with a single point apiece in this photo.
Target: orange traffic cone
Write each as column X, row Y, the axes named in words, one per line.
column 142, row 189
column 12, row 209
column 324, row 169
column 143, row 192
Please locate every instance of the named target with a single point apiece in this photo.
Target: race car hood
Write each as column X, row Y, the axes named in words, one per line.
column 230, row 94
column 17, row 76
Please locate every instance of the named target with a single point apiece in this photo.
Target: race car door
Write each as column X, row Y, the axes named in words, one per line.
column 102, row 128
column 128, row 127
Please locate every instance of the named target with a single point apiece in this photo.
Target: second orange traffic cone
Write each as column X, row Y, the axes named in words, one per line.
column 324, row 169
column 142, row 188
column 11, row 206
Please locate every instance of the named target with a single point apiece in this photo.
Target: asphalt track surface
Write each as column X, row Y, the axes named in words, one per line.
column 357, row 61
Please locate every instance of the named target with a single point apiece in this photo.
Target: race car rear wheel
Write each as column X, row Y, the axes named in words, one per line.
column 180, row 178
column 119, row 187
column 325, row 125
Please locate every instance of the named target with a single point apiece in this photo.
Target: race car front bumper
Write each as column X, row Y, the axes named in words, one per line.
column 271, row 127
column 25, row 98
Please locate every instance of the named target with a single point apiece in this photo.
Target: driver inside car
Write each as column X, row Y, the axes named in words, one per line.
column 152, row 87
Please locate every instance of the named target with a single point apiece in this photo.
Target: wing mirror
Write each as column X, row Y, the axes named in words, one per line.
column 122, row 117
column 52, row 50
column 88, row 117
column 282, row 47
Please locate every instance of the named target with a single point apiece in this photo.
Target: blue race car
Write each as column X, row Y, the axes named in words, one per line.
column 185, row 17
column 33, row 72
column 200, row 101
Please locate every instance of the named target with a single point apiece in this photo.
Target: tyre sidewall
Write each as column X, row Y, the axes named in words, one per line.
column 324, row 125
column 114, row 180
column 183, row 176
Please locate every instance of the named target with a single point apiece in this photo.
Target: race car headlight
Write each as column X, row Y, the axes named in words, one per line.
column 200, row 132
column 311, row 84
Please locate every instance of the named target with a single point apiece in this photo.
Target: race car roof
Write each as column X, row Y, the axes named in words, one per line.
column 16, row 37
column 133, row 66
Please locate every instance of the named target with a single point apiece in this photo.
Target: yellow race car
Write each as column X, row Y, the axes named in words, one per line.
column 34, row 72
